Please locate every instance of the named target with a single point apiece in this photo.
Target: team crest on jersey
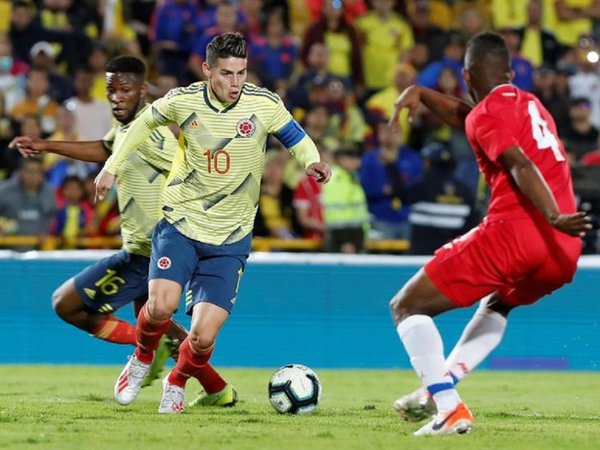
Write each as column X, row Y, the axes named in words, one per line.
column 163, row 263
column 245, row 128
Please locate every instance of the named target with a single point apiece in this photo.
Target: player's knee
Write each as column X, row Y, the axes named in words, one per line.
column 399, row 308
column 201, row 342
column 58, row 303
column 161, row 305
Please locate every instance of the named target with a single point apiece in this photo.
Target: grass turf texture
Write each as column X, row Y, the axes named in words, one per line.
column 71, row 407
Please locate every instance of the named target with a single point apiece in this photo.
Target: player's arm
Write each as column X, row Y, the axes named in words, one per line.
column 139, row 130
column 294, row 138
column 91, row 151
column 531, row 182
column 450, row 109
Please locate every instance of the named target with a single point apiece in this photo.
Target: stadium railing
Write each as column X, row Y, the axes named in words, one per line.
column 258, row 244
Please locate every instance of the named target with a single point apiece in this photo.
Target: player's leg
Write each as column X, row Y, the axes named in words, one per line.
column 210, row 299
column 194, row 354
column 480, row 337
column 412, row 309
column 172, row 263
column 68, row 305
column 88, row 300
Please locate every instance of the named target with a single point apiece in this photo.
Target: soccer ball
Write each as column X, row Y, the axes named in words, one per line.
column 294, row 389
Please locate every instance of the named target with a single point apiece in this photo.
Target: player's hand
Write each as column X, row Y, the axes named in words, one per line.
column 320, row 170
column 409, row 98
column 104, row 182
column 27, row 146
column 576, row 224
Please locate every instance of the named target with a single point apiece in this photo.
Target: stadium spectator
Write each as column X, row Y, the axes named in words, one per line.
column 173, row 29
column 11, row 74
column 9, row 160
column 96, row 60
column 586, row 81
column 533, row 207
column 342, row 41
column 344, row 203
column 538, row 44
column 27, row 203
column 275, row 215
column 37, row 101
column 274, row 54
column 92, row 117
column 42, row 56
column 73, row 217
column 315, row 72
column 521, row 66
column 385, row 175
column 385, row 36
column 109, row 25
column 227, row 20
column 58, row 167
column 381, row 105
column 580, row 136
column 307, row 203
column 442, row 207
column 425, row 32
column 545, row 81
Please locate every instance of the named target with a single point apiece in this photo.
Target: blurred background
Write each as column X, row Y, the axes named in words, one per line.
column 338, row 65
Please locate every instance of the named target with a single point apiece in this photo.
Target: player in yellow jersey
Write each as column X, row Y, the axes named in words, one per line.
column 88, row 299
column 209, row 205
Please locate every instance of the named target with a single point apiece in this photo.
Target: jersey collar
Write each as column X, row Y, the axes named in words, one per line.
column 215, row 105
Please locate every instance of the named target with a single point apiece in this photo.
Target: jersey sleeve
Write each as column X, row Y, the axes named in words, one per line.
column 291, row 134
column 109, row 139
column 161, row 149
column 494, row 135
column 139, row 130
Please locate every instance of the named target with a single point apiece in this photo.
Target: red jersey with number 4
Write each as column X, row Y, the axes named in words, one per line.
column 509, row 117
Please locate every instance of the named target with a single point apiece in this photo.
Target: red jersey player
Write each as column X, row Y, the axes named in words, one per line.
column 526, row 247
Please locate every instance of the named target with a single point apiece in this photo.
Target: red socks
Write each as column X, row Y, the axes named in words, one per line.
column 149, row 333
column 191, row 364
column 115, row 330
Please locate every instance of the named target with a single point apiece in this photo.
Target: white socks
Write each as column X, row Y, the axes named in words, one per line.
column 424, row 346
column 481, row 335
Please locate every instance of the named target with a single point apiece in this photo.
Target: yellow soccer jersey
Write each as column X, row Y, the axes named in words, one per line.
column 140, row 180
column 212, row 192
column 384, row 43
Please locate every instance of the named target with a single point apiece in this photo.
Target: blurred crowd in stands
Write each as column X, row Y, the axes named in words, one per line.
column 338, row 64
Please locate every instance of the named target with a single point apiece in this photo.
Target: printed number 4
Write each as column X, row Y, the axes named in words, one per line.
column 541, row 133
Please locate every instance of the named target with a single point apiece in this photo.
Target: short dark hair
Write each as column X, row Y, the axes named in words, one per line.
column 127, row 64
column 488, row 44
column 226, row 45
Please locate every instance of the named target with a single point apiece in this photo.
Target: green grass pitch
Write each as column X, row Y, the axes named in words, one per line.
column 71, row 407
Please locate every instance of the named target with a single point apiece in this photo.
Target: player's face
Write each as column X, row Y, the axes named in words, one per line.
column 226, row 78
column 125, row 94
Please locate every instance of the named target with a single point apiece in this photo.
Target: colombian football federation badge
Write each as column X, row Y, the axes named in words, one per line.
column 245, row 128
column 163, row 263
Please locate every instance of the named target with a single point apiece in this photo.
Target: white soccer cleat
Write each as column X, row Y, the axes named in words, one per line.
column 457, row 421
column 130, row 381
column 416, row 406
column 172, row 401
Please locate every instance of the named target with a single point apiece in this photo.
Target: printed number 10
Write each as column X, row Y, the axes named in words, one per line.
column 220, row 161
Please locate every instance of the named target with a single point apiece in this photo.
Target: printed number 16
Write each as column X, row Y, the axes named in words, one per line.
column 220, row 161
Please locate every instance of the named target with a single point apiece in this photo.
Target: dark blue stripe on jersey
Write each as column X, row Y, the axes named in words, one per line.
column 290, row 134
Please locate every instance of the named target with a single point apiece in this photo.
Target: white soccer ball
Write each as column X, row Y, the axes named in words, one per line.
column 294, row 389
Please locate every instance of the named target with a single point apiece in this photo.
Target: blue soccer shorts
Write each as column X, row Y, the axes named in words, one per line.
column 113, row 282
column 206, row 273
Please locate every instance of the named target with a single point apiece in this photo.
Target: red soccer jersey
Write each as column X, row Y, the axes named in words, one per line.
column 508, row 117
